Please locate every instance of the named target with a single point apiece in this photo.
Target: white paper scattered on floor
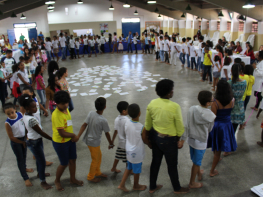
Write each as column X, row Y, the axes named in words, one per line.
column 83, row 94
column 94, row 93
column 93, row 90
column 74, row 90
column 157, row 75
column 153, row 85
column 71, row 82
column 106, row 86
column 106, row 89
column 73, row 94
column 124, row 93
column 107, row 95
column 117, row 91
column 95, row 86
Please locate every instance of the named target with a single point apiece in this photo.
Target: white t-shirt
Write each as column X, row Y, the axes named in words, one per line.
column 215, row 69
column 173, row 45
column 134, row 144
column 199, row 49
column 184, row 47
column 98, row 41
column 91, row 43
column 161, row 45
column 62, row 41
column 166, row 45
column 4, row 72
column 48, row 46
column 187, row 47
column 85, row 40
column 31, row 121
column 33, row 65
column 77, row 44
column 203, row 54
column 192, row 51
column 13, row 79
column 37, row 114
column 55, row 44
column 9, row 62
column 119, row 125
column 196, row 144
column 24, row 76
column 17, row 125
column 228, row 68
column 134, row 40
column 102, row 39
column 72, row 43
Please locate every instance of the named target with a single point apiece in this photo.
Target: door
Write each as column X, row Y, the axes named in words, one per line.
column 130, row 26
column 32, row 33
column 11, row 36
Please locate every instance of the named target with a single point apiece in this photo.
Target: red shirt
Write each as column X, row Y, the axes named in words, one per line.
column 239, row 49
column 251, row 54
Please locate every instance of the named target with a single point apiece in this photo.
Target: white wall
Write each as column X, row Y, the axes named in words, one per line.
column 38, row 15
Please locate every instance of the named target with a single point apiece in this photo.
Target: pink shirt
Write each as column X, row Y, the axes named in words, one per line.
column 42, row 80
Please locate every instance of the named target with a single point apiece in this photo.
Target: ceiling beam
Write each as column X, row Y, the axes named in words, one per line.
column 236, row 6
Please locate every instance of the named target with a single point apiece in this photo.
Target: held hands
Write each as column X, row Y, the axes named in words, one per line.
column 24, row 144
column 46, row 113
column 75, row 139
column 111, row 146
column 180, row 144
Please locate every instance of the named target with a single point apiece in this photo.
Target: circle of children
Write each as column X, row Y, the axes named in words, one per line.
column 205, row 128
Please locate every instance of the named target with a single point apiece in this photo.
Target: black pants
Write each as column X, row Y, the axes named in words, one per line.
column 207, row 69
column 86, row 48
column 259, row 98
column 167, row 147
column 193, row 62
column 129, row 47
column 68, row 49
column 166, row 56
column 102, row 48
column 235, row 126
column 246, row 102
column 2, row 92
column 157, row 55
column 147, row 47
column 135, row 45
column 110, row 46
column 72, row 53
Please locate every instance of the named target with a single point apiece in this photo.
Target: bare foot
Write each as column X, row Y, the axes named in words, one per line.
column 202, row 80
column 77, row 182
column 103, row 175
column 213, row 89
column 260, row 144
column 210, row 82
column 29, row 170
column 95, row 180
column 45, row 185
column 58, row 186
column 123, row 188
column 183, row 190
column 46, row 175
column 140, row 187
column 115, row 170
column 157, row 188
column 49, row 163
column 212, row 174
column 28, row 183
column 195, row 185
column 200, row 176
column 226, row 154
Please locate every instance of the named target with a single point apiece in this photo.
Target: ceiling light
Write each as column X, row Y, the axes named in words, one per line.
column 220, row 14
column 50, row 2
column 188, row 7
column 22, row 16
column 159, row 16
column 111, row 7
column 126, row 5
column 151, row 2
column 50, row 7
column 80, row 2
column 13, row 15
column 183, row 16
column 248, row 4
column 241, row 18
column 136, row 12
column 156, row 10
column 52, row 10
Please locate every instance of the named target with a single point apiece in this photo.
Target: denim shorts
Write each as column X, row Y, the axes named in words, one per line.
column 135, row 167
column 196, row 156
column 65, row 151
column 216, row 74
column 32, row 72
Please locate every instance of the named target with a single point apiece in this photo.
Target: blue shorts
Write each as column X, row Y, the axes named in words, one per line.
column 135, row 167
column 32, row 72
column 65, row 151
column 197, row 156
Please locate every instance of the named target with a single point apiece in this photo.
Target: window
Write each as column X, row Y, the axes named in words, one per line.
column 218, row 25
column 25, row 25
column 254, row 27
column 130, row 20
column 228, row 26
column 241, row 26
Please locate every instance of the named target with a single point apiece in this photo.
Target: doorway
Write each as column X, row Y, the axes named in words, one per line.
column 131, row 24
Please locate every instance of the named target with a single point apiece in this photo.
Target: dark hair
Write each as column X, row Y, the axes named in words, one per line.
column 100, row 103
column 134, row 110
column 217, row 58
column 161, row 37
column 14, row 68
column 61, row 72
column 8, row 106
column 204, row 97
column 48, row 39
column 220, row 49
column 114, row 33
column 52, row 84
column 248, row 43
column 183, row 39
column 30, row 50
column 8, row 51
column 26, row 58
column 235, row 72
column 166, row 36
column 164, row 87
column 227, row 61
column 61, row 34
column 174, row 39
column 250, row 48
column 232, row 42
column 21, row 58
column 188, row 38
column 203, row 44
column 122, row 105
column 52, row 66
column 161, row 31
column 229, row 52
column 223, row 92
column 242, row 67
column 25, row 100
column 18, row 64
column 206, row 48
column 30, row 89
column 248, row 70
column 61, row 97
column 237, row 60
column 201, row 38
column 260, row 55
column 38, row 70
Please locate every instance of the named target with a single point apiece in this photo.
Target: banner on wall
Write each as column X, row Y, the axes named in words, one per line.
column 104, row 28
column 155, row 25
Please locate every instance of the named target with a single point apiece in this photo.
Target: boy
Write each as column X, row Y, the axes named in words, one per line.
column 200, row 121
column 63, row 139
column 183, row 52
column 147, row 46
column 72, row 48
column 9, row 62
column 77, row 46
column 119, row 126
column 188, row 52
column 96, row 124
column 207, row 64
column 193, row 54
column 166, row 49
column 161, row 49
column 134, row 148
column 92, row 46
column 199, row 52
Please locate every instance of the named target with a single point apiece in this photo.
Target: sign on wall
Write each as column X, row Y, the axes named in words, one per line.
column 155, row 25
column 104, row 28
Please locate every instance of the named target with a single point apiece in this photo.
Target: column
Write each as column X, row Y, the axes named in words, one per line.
column 234, row 29
column 171, row 27
column 212, row 27
column 204, row 27
column 223, row 27
column 259, row 39
column 165, row 24
column 195, row 26
column 175, row 26
column 247, row 28
column 182, row 25
column 188, row 28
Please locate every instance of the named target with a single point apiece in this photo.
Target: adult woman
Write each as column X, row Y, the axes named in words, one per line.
column 232, row 46
column 222, row 137
column 53, row 86
column 142, row 42
column 7, row 45
column 164, row 126
column 239, row 48
column 238, row 87
column 250, row 52
column 224, row 41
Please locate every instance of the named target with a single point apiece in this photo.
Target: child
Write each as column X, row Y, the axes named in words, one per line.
column 183, row 52
column 220, row 51
column 77, row 44
column 202, row 59
column 199, row 52
column 2, row 87
column 119, row 126
column 115, row 44
column 55, row 46
column 92, row 46
column 72, row 48
column 153, row 43
column 5, row 82
column 34, row 135
column 226, row 70
column 40, row 84
column 37, row 56
column 27, row 67
column 63, row 139
column 147, row 46
column 22, row 76
column 188, row 39
column 9, row 62
column 166, row 49
column 120, row 47
column 16, row 132
column 135, row 42
column 249, row 72
column 134, row 148
column 48, row 46
column 53, row 86
column 43, row 55
column 207, row 64
column 216, row 71
column 14, row 85
column 161, row 49
column 96, row 125
column 200, row 121
column 174, row 51
column 193, row 54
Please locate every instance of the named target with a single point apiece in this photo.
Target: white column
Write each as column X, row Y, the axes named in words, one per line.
column 182, row 25
column 171, row 28
column 204, row 26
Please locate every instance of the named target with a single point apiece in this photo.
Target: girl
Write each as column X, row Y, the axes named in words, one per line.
column 53, row 86
column 183, row 52
column 55, row 46
column 14, row 85
column 92, row 46
column 120, row 47
column 250, row 52
column 174, row 51
column 2, row 87
column 153, row 43
column 110, row 41
column 249, row 71
column 220, row 51
column 238, row 48
column 37, row 56
column 62, row 74
column 35, row 133
column 232, row 46
column 77, row 46
column 143, row 42
column 16, row 132
column 2, row 68
column 22, row 76
column 216, row 71
column 43, row 56
column 26, row 52
column 52, row 68
column 222, row 136
column 115, row 44
column 226, row 69
column 48, row 46
column 40, row 84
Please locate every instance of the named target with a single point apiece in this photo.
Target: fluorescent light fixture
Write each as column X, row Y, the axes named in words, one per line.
column 136, row 12
column 51, row 10
column 22, row 16
column 126, row 5
column 159, row 16
column 248, row 4
column 151, row 2
column 50, row 2
column 111, row 7
column 220, row 14
column 50, row 7
column 80, row 2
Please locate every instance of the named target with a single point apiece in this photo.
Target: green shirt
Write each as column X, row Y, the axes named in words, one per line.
column 164, row 116
column 22, row 37
column 1, row 74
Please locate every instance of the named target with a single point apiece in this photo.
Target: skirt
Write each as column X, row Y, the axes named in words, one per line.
column 120, row 47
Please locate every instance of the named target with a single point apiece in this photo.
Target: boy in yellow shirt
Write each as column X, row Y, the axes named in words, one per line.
column 207, row 64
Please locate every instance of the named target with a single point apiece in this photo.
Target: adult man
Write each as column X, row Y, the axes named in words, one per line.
column 22, row 37
column 41, row 35
column 130, row 41
column 102, row 42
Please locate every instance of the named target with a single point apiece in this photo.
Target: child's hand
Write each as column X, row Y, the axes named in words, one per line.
column 46, row 113
column 24, row 144
column 111, row 146
column 75, row 139
column 180, row 144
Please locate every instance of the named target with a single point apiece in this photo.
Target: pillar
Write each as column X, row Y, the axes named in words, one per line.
column 247, row 28
column 204, row 27
column 212, row 27
column 223, row 27
column 165, row 24
column 188, row 28
column 195, row 26
column 182, row 25
column 171, row 27
column 175, row 26
column 259, row 37
column 234, row 29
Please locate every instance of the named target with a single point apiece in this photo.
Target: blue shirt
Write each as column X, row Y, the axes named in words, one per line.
column 129, row 38
column 42, row 36
column 21, row 46
column 146, row 41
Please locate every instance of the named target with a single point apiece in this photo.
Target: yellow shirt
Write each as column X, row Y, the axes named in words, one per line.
column 250, row 84
column 164, row 116
column 8, row 46
column 245, row 77
column 61, row 120
column 207, row 61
